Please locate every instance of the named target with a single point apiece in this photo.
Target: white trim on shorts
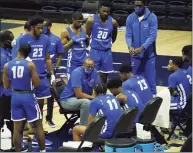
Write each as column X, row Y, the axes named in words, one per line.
column 43, row 97
column 18, row 119
column 106, row 71
column 39, row 114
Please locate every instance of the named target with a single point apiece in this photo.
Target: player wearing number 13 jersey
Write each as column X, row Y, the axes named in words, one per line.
column 102, row 30
column 136, row 83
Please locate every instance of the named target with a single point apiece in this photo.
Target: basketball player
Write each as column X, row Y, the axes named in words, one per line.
column 56, row 56
column 136, row 83
column 179, row 83
column 40, row 55
column 140, row 35
column 103, row 104
column 102, row 30
column 15, row 44
column 18, row 74
column 75, row 41
column 127, row 98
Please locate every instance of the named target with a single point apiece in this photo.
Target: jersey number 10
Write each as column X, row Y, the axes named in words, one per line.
column 17, row 71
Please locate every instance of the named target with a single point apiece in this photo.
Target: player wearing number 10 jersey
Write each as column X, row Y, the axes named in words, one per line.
column 136, row 83
column 102, row 30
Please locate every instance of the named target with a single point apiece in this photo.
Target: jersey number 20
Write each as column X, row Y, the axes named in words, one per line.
column 17, row 71
column 102, row 35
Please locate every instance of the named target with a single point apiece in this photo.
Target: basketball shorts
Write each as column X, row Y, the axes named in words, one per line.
column 103, row 60
column 43, row 91
column 176, row 104
column 24, row 107
column 105, row 136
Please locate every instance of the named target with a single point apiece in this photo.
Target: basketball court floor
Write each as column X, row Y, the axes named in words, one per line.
column 169, row 43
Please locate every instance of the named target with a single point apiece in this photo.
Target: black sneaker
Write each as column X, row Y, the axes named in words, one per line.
column 51, row 124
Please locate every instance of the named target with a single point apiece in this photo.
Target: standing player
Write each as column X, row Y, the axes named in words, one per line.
column 179, row 84
column 15, row 45
column 56, row 55
column 141, row 33
column 103, row 104
column 103, row 32
column 40, row 55
column 18, row 75
column 136, row 83
column 75, row 41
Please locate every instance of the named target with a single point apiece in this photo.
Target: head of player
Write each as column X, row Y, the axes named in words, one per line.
column 36, row 23
column 104, row 12
column 77, row 20
column 100, row 89
column 27, row 27
column 47, row 27
column 125, row 72
column 6, row 38
column 139, row 6
column 115, row 86
column 24, row 51
column 187, row 53
column 175, row 64
column 88, row 66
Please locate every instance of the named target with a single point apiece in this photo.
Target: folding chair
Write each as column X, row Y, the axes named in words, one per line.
column 56, row 90
column 181, row 115
column 91, row 134
column 187, row 146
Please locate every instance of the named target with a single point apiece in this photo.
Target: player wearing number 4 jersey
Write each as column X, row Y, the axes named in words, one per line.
column 136, row 83
column 103, row 104
column 179, row 84
column 102, row 30
column 75, row 41
column 19, row 74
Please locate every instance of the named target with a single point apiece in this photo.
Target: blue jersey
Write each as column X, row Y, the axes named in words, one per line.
column 19, row 75
column 77, row 53
column 189, row 72
column 108, row 106
column 139, row 84
column 179, row 80
column 79, row 79
column 5, row 57
column 56, row 47
column 101, row 35
column 39, row 48
column 133, row 100
column 15, row 47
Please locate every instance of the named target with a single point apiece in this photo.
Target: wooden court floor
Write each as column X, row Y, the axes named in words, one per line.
column 169, row 43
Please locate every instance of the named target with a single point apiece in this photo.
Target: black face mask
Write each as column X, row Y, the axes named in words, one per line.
column 8, row 44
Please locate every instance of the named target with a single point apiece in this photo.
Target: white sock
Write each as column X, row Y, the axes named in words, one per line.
column 43, row 150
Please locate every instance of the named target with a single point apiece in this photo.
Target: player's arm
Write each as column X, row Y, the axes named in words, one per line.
column 34, row 74
column 128, row 34
column 122, row 98
column 59, row 59
column 87, row 39
column 172, row 86
column 6, row 81
column 93, row 109
column 65, row 39
column 89, row 24
column 49, row 63
column 59, row 50
column 114, row 33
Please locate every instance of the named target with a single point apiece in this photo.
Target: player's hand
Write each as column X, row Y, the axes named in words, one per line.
column 131, row 50
column 137, row 51
column 52, row 79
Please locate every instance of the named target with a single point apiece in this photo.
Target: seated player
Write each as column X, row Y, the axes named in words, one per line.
column 128, row 98
column 78, row 91
column 18, row 75
column 136, row 83
column 103, row 104
column 178, row 83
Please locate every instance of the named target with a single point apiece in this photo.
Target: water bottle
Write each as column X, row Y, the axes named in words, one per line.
column 6, row 142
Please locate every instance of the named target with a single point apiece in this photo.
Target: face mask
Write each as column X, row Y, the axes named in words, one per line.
column 139, row 11
column 88, row 70
column 8, row 44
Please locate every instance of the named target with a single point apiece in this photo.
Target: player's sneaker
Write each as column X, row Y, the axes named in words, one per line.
column 51, row 124
column 47, row 142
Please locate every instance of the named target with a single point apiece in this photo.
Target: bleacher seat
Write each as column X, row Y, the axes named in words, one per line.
column 157, row 6
column 90, row 7
column 120, row 16
column 49, row 9
column 120, row 5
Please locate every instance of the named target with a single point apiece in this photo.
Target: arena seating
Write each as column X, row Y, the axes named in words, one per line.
column 172, row 14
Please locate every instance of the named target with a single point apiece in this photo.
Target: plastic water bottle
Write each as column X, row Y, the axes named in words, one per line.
column 6, row 142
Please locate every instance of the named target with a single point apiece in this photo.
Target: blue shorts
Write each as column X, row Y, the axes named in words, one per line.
column 24, row 106
column 103, row 60
column 105, row 136
column 43, row 91
column 175, row 103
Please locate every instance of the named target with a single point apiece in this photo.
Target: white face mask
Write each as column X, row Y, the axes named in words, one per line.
column 13, row 43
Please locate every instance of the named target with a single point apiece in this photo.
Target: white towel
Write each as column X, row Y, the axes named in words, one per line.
column 162, row 118
column 75, row 144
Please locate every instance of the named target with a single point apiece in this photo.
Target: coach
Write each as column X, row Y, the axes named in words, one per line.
column 141, row 33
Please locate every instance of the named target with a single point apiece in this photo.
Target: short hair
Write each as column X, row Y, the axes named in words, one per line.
column 25, row 49
column 100, row 89
column 114, row 83
column 27, row 26
column 187, row 50
column 178, row 61
column 34, row 20
column 144, row 1
column 125, row 68
column 5, row 35
column 105, row 5
column 77, row 16
column 48, row 23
